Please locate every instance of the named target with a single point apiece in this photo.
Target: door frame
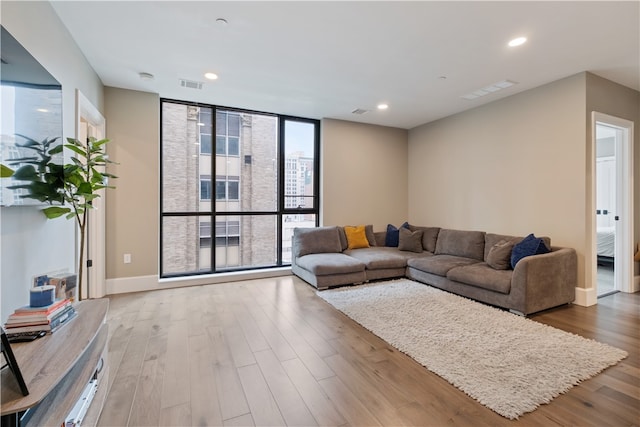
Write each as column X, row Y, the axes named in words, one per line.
column 623, row 271
column 94, row 279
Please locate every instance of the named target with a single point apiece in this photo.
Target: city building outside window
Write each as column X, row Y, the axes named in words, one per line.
column 227, row 133
column 205, row 188
column 266, row 184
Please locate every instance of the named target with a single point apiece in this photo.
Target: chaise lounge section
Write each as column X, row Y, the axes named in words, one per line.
column 474, row 264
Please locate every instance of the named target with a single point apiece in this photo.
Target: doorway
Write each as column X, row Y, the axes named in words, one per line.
column 90, row 123
column 613, row 188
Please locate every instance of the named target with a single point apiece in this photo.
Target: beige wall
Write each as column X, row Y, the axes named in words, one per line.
column 31, row 244
column 133, row 126
column 364, row 174
column 364, row 178
column 514, row 166
column 605, row 96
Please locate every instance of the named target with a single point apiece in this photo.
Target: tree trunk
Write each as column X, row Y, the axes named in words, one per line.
column 81, row 265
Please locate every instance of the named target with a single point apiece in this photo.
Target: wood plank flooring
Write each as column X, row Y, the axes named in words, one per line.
column 270, row 352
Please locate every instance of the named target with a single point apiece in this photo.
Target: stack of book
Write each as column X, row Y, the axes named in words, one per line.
column 36, row 319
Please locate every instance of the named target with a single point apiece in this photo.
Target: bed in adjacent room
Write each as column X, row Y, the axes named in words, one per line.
column 606, row 239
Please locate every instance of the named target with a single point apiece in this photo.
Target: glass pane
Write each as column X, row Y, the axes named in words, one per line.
column 289, row 222
column 221, row 190
column 182, row 169
column 221, row 145
column 234, row 124
column 205, row 189
column 185, row 247
column 205, row 143
column 221, row 123
column 299, row 153
column 250, row 169
column 234, row 146
column 245, row 241
column 232, row 187
column 204, row 121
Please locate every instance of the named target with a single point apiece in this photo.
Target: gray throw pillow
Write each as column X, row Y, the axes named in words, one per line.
column 371, row 237
column 316, row 240
column 410, row 240
column 499, row 257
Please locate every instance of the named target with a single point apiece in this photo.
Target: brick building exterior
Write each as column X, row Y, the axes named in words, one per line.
column 245, row 149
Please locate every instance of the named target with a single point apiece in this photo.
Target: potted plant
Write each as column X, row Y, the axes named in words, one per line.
column 68, row 189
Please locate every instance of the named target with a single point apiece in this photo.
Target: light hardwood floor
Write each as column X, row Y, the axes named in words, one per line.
column 270, row 352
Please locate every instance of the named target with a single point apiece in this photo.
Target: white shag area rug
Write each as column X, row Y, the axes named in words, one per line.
column 506, row 362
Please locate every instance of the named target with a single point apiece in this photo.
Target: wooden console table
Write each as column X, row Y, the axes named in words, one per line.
column 56, row 369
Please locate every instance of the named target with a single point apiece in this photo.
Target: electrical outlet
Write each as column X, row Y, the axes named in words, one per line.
column 127, row 258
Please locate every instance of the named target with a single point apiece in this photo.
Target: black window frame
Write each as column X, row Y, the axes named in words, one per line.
column 280, row 213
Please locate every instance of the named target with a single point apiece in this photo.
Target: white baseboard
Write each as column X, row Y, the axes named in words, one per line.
column 586, row 297
column 124, row 285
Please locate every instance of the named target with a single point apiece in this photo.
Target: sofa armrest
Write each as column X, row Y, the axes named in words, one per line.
column 544, row 281
column 294, row 251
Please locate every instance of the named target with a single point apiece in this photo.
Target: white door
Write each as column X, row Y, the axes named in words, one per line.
column 605, row 191
column 620, row 184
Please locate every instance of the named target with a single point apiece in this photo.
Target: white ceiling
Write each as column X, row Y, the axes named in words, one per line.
column 325, row 59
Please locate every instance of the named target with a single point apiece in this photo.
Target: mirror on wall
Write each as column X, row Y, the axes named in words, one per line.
column 31, row 105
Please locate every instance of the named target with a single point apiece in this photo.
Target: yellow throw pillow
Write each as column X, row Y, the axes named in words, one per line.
column 356, row 237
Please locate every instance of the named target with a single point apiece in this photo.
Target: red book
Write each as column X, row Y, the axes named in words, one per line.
column 35, row 319
column 46, row 310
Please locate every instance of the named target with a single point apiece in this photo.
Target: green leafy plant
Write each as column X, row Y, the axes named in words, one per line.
column 69, row 188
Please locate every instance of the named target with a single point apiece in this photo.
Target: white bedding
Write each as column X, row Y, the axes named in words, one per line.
column 606, row 241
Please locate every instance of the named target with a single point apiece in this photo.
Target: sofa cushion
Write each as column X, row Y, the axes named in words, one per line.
column 356, row 237
column 499, row 256
column 429, row 236
column 482, row 275
column 462, row 243
column 490, row 239
column 329, row 263
column 368, row 230
column 316, row 240
column 530, row 245
column 382, row 257
column 380, row 237
column 410, row 240
column 439, row 264
column 393, row 235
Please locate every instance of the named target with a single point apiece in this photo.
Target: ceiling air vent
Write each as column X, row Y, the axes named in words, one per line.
column 190, row 84
column 359, row 111
column 489, row 89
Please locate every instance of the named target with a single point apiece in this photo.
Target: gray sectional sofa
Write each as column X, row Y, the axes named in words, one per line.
column 474, row 264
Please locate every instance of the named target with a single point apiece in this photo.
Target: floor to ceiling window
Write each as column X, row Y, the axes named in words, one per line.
column 234, row 206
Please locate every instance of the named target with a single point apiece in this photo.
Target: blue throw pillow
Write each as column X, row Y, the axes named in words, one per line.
column 530, row 245
column 392, row 238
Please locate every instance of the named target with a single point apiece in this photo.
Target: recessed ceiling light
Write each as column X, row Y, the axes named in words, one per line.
column 146, row 76
column 42, row 110
column 211, row 76
column 221, row 21
column 517, row 41
column 382, row 106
